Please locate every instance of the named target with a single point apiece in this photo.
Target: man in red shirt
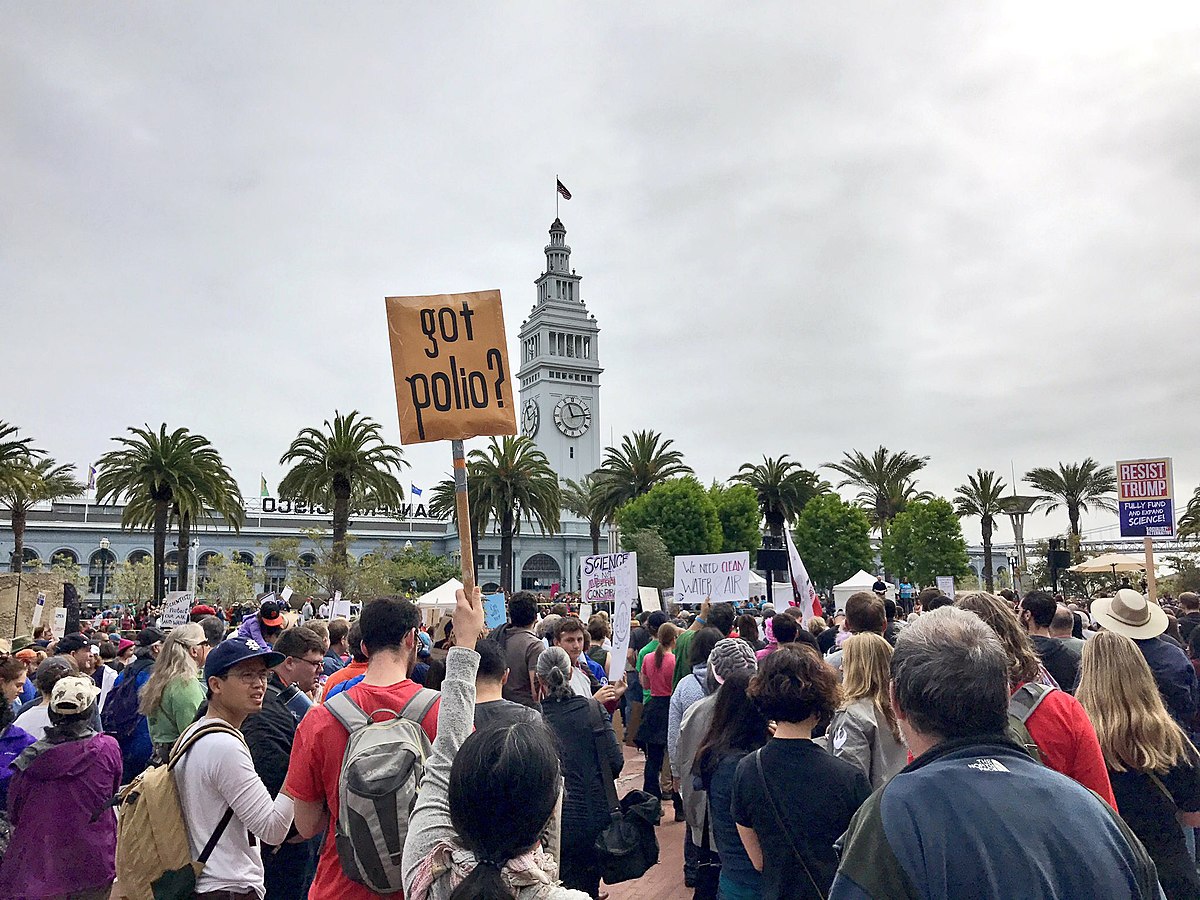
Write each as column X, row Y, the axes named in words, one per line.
column 388, row 626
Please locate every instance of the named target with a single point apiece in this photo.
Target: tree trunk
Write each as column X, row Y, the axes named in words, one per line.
column 161, row 511
column 185, row 549
column 506, row 546
column 71, row 605
column 595, row 532
column 1073, row 514
column 987, row 555
column 775, row 524
column 341, row 524
column 17, row 563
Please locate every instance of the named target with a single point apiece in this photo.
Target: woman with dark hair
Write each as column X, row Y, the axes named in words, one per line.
column 486, row 797
column 792, row 800
column 737, row 728
column 13, row 738
column 582, row 734
column 747, row 629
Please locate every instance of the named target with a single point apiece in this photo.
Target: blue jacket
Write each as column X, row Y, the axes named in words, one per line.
column 978, row 817
column 1175, row 677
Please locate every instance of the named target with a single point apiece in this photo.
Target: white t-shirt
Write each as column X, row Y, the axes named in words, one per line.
column 215, row 775
column 580, row 683
column 36, row 721
column 110, row 678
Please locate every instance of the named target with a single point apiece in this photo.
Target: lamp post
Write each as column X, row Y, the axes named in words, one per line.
column 103, row 569
column 1017, row 508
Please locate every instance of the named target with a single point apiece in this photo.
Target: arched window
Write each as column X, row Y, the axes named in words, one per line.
column 100, row 571
column 275, row 575
column 65, row 555
column 171, row 565
column 539, row 573
column 30, row 561
column 138, row 556
column 202, row 566
column 308, row 562
column 246, row 559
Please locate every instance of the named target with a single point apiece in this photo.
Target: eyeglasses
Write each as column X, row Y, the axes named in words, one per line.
column 251, row 677
column 315, row 663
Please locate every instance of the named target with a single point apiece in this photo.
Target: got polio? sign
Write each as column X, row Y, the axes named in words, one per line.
column 1145, row 497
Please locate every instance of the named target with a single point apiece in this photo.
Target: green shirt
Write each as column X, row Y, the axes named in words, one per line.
column 649, row 648
column 180, row 700
column 683, row 649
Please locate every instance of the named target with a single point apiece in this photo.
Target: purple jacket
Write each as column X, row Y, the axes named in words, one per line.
column 250, row 628
column 12, row 742
column 56, row 848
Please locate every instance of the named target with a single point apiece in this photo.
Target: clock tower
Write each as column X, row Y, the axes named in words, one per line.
column 560, row 368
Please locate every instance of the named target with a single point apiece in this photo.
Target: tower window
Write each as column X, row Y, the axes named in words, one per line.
column 587, row 348
column 553, row 343
column 572, row 453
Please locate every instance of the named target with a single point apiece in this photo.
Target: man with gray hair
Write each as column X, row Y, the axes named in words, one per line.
column 973, row 815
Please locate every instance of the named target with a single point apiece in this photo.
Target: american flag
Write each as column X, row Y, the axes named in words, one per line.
column 562, row 189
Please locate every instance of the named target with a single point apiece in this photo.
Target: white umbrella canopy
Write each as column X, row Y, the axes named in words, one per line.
column 1108, row 563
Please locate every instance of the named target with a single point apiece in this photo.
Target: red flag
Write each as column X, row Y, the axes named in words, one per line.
column 566, row 195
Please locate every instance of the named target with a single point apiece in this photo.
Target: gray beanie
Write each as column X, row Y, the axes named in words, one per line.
column 728, row 656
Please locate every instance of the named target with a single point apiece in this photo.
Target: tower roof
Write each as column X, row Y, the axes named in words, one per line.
column 557, row 225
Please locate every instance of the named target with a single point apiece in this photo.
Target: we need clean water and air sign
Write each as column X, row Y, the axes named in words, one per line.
column 1145, row 497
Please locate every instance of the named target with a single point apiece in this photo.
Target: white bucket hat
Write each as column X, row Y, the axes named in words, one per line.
column 1131, row 614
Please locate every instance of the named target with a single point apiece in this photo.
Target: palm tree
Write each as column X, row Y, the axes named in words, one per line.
column 348, row 459
column 15, row 454
column 783, row 487
column 215, row 490
column 443, row 504
column 42, row 480
column 153, row 471
column 1189, row 522
column 981, row 497
column 1077, row 486
column 885, row 480
column 585, row 499
column 515, row 481
column 643, row 460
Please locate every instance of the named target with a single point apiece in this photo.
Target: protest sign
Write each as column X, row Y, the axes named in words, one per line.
column 177, row 609
column 945, row 584
column 38, row 608
column 58, row 627
column 612, row 578
column 725, row 577
column 1146, row 498
column 585, row 612
column 341, row 608
column 450, row 365
column 286, row 594
column 494, row 613
column 649, row 598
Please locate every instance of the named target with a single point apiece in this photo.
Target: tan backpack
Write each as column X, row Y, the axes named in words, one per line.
column 154, row 859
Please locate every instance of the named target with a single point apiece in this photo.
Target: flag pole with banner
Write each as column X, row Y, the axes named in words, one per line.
column 450, row 365
column 801, row 584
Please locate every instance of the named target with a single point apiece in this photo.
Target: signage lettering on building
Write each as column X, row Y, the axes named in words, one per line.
column 271, row 506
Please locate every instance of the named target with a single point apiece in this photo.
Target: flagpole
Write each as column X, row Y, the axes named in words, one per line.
column 556, row 195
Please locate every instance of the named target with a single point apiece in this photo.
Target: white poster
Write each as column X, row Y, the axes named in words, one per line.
column 585, row 612
column 286, row 594
column 723, row 577
column 649, row 598
column 38, row 608
column 945, row 584
column 177, row 609
column 341, row 608
column 612, row 578
column 58, row 627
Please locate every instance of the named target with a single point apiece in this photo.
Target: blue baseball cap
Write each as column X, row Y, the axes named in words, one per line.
column 234, row 650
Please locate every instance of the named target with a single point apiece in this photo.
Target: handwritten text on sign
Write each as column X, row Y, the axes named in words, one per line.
column 722, row 576
column 450, row 364
column 1145, row 497
column 612, row 578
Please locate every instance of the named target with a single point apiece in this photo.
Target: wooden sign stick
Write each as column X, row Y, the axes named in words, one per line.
column 463, row 507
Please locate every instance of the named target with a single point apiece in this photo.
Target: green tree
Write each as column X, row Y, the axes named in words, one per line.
column 151, row 471
column 35, row 481
column 515, row 482
column 981, row 497
column 418, row 570
column 1077, row 486
column 134, row 581
column 1189, row 522
column 643, row 460
column 885, row 481
column 585, row 499
column 738, row 512
column 682, row 513
column 443, row 504
column 782, row 486
column 926, row 541
column 229, row 581
column 15, row 454
column 348, row 460
column 66, row 571
column 833, row 538
column 656, row 568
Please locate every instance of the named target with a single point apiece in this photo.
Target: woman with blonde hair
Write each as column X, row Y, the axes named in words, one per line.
column 864, row 729
column 173, row 694
column 1054, row 719
column 1154, row 768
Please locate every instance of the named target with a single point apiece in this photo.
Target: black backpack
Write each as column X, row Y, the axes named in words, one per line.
column 120, row 717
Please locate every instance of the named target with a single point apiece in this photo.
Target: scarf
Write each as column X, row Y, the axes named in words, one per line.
column 535, row 868
column 64, row 729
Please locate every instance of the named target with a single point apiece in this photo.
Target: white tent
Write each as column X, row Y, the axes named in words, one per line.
column 861, row 581
column 758, row 586
column 438, row 601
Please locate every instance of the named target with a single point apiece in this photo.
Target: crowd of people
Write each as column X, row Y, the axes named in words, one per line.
column 981, row 745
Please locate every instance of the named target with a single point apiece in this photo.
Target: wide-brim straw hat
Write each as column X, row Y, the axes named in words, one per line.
column 1131, row 614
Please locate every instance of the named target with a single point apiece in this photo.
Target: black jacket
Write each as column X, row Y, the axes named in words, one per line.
column 1058, row 660
column 269, row 735
column 585, row 805
column 1187, row 622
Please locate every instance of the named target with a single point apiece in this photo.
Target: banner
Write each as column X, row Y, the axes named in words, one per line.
column 1146, row 497
column 725, row 577
column 494, row 613
column 805, row 594
column 612, row 578
column 177, row 609
column 450, row 366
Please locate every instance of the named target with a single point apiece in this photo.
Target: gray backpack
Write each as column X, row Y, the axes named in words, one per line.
column 1020, row 707
column 377, row 788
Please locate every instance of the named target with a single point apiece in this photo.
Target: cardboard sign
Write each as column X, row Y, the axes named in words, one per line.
column 341, row 608
column 450, row 365
column 725, row 577
column 177, row 609
column 649, row 598
column 58, row 627
column 38, row 608
column 612, row 578
column 945, row 584
column 1146, row 497
column 494, row 614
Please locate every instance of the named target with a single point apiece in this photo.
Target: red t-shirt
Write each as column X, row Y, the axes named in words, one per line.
column 316, row 763
column 1068, row 743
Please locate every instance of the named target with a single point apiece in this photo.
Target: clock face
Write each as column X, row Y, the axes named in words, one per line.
column 572, row 416
column 531, row 418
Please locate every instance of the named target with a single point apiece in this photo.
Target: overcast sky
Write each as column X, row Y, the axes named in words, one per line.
column 968, row 231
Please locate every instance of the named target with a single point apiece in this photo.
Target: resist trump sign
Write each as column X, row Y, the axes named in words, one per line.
column 1146, row 498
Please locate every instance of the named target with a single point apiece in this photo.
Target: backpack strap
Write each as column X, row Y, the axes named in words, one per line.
column 1025, row 701
column 346, row 711
column 599, row 728
column 183, row 745
column 783, row 826
column 419, row 705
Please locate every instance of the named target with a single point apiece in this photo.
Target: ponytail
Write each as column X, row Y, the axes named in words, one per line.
column 484, row 883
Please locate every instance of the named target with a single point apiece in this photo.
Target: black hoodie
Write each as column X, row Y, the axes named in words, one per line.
column 1059, row 661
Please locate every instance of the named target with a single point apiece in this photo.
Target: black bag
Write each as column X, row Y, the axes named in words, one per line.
column 628, row 847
